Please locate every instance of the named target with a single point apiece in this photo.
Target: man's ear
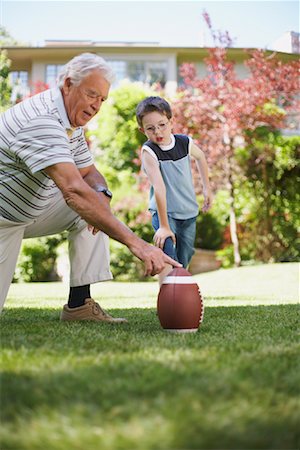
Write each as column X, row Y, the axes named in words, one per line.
column 67, row 84
column 142, row 130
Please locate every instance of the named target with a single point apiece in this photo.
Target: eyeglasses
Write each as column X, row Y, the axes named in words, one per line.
column 92, row 96
column 159, row 127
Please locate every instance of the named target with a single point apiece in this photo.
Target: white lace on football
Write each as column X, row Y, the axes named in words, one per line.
column 179, row 280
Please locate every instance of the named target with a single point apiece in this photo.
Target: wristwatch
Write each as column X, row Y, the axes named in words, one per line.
column 105, row 191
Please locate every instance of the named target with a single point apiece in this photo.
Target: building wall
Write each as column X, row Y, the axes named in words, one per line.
column 289, row 42
column 35, row 60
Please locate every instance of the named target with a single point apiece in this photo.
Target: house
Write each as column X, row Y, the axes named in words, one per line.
column 289, row 42
column 136, row 61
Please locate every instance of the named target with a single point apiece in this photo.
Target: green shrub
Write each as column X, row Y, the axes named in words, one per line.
column 117, row 138
column 37, row 260
column 133, row 212
column 225, row 255
column 271, row 216
column 124, row 266
column 5, row 87
column 209, row 232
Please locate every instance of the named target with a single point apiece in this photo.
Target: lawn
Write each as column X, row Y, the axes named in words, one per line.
column 233, row 385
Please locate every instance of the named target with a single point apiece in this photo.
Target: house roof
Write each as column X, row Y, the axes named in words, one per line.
column 57, row 48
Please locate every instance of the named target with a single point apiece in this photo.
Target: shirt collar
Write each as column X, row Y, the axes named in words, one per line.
column 169, row 146
column 59, row 103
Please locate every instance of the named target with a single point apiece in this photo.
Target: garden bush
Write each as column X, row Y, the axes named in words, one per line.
column 271, row 219
column 209, row 232
column 37, row 260
column 117, row 138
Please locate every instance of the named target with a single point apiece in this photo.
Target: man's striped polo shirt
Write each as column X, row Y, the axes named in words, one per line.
column 33, row 136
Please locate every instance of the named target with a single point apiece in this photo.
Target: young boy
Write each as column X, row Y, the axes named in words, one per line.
column 166, row 161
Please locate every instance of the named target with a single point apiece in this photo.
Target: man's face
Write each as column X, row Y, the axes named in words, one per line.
column 82, row 102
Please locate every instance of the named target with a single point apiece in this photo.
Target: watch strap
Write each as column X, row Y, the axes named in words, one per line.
column 105, row 191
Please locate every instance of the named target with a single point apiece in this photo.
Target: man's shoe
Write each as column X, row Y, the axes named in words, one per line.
column 89, row 311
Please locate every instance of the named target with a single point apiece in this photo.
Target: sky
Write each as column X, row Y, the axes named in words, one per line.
column 170, row 23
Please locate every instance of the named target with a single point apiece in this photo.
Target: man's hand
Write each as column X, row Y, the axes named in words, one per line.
column 161, row 235
column 92, row 229
column 154, row 258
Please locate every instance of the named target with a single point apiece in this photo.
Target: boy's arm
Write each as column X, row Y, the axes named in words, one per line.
column 152, row 169
column 199, row 156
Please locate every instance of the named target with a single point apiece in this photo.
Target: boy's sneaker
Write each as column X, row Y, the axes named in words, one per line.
column 91, row 310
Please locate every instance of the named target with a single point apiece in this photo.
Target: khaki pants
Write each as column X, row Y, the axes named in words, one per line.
column 88, row 254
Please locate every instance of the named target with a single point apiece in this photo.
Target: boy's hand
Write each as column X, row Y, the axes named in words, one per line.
column 208, row 199
column 161, row 235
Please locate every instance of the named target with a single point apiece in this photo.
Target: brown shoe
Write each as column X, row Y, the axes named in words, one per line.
column 89, row 311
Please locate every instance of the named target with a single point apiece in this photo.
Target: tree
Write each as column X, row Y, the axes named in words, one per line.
column 5, row 87
column 272, row 218
column 219, row 109
column 6, row 38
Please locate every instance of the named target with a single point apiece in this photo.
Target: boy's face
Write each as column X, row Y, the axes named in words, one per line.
column 157, row 127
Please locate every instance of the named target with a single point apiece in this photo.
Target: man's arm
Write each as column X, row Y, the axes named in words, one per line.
column 94, row 208
column 155, row 178
column 93, row 177
column 199, row 156
column 96, row 181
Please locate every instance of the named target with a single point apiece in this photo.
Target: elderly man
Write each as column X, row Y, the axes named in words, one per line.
column 50, row 184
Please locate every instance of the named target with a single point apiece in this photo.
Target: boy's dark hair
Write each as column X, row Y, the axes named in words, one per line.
column 151, row 104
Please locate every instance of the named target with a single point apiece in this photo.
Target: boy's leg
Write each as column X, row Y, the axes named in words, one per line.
column 186, row 232
column 11, row 235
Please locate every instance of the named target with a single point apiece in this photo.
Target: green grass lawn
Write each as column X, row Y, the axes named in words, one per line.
column 85, row 386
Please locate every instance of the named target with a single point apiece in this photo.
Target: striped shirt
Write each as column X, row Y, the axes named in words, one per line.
column 34, row 134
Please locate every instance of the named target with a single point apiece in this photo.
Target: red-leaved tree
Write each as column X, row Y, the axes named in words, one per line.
column 219, row 109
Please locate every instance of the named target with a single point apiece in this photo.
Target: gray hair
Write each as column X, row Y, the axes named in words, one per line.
column 81, row 66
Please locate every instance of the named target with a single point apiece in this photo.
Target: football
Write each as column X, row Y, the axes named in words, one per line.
column 179, row 305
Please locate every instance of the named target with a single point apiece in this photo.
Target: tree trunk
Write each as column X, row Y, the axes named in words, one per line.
column 234, row 237
column 267, row 223
column 232, row 216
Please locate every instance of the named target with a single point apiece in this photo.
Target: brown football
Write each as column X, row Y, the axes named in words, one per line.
column 179, row 304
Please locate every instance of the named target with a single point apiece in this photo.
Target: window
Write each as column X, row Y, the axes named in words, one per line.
column 52, row 70
column 144, row 71
column 20, row 87
column 157, row 73
column 20, row 78
column 119, row 69
column 136, row 71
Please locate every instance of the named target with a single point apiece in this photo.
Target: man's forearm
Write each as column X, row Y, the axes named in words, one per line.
column 95, row 179
column 94, row 209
